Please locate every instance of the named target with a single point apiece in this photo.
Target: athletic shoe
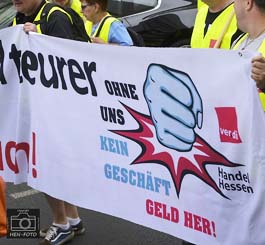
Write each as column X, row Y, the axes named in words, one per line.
column 57, row 236
column 78, row 229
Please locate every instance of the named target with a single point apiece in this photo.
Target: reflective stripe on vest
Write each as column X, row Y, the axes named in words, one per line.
column 199, row 40
column 104, row 33
column 39, row 15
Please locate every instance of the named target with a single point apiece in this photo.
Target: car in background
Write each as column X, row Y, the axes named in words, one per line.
column 161, row 23
column 7, row 13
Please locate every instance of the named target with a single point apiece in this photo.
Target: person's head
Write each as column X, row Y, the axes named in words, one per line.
column 94, row 10
column 209, row 2
column 250, row 15
column 63, row 3
column 27, row 7
column 217, row 5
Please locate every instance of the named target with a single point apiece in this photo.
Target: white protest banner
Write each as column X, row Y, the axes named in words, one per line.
column 172, row 139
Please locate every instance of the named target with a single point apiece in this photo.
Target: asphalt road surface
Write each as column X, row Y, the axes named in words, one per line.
column 101, row 229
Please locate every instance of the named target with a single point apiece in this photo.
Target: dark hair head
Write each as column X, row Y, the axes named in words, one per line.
column 260, row 4
column 103, row 3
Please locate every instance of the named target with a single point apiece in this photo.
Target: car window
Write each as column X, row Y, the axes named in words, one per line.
column 120, row 8
column 7, row 13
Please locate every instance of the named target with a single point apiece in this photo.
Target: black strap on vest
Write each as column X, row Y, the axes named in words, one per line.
column 44, row 15
column 101, row 25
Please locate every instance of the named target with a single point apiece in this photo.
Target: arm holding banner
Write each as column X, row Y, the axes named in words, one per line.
column 258, row 71
column 27, row 27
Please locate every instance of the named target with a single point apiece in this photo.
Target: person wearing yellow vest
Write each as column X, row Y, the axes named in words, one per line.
column 73, row 8
column 215, row 25
column 3, row 220
column 251, row 19
column 103, row 27
column 57, row 24
column 73, row 4
column 29, row 13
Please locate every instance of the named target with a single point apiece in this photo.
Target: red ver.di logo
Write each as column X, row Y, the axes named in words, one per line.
column 228, row 128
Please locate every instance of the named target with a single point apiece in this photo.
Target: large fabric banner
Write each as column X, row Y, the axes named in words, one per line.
column 172, row 139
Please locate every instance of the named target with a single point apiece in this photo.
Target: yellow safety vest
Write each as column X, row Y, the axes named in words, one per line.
column 200, row 3
column 199, row 40
column 104, row 32
column 38, row 16
column 76, row 6
column 262, row 51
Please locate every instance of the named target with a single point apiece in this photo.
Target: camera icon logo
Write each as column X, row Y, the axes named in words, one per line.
column 23, row 223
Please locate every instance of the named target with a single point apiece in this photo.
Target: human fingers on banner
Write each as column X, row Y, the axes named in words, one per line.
column 29, row 27
column 258, row 71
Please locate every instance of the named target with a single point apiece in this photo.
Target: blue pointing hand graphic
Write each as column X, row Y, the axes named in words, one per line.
column 175, row 106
